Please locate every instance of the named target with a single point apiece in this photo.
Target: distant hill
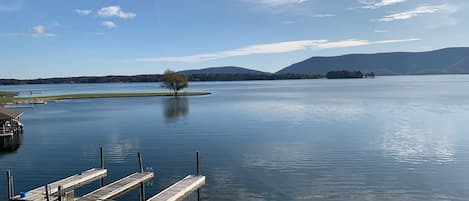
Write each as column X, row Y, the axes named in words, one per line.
column 223, row 70
column 443, row 61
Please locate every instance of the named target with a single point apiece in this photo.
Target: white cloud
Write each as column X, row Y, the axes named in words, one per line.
column 109, row 24
column 325, row 15
column 417, row 12
column 379, row 31
column 289, row 22
column 277, row 2
column 83, row 12
column 40, row 31
column 373, row 4
column 271, row 48
column 115, row 11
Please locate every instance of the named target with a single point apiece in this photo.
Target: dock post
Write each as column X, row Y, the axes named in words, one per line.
column 9, row 185
column 198, row 173
column 59, row 193
column 47, row 192
column 142, row 186
column 140, row 162
column 101, row 163
column 12, row 187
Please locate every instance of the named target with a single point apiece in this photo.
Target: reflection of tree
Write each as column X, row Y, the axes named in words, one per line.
column 175, row 107
column 10, row 144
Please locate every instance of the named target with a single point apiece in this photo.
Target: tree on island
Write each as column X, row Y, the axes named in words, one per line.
column 344, row 74
column 174, row 82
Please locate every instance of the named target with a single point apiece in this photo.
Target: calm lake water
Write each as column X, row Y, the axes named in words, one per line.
column 389, row 138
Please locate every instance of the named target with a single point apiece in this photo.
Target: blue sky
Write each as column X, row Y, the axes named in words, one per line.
column 51, row 38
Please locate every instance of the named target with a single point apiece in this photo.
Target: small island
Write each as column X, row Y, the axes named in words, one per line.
column 44, row 99
column 173, row 81
column 345, row 74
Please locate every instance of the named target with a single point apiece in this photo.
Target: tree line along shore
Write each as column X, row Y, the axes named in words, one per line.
column 155, row 78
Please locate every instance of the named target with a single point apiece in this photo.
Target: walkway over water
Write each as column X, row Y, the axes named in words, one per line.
column 67, row 184
column 180, row 189
column 63, row 190
column 118, row 187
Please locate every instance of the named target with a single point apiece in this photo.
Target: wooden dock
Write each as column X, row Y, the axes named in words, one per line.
column 118, row 187
column 67, row 184
column 6, row 134
column 63, row 190
column 180, row 189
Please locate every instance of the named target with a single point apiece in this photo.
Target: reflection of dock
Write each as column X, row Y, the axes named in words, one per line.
column 10, row 144
column 63, row 190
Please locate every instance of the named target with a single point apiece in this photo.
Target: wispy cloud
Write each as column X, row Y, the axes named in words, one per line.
column 278, row 2
column 109, row 24
column 325, row 15
column 83, row 12
column 115, row 11
column 10, row 6
column 417, row 12
column 379, row 31
column 272, row 48
column 40, row 31
column 289, row 22
column 373, row 4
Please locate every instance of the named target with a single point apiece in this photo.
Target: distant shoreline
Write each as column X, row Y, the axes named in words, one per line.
column 153, row 78
column 43, row 99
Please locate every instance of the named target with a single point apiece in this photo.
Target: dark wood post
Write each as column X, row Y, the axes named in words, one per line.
column 198, row 173
column 101, row 163
column 47, row 192
column 9, row 185
column 142, row 186
column 140, row 162
column 12, row 186
column 60, row 193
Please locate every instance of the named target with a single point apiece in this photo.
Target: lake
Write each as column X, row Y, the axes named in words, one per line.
column 389, row 138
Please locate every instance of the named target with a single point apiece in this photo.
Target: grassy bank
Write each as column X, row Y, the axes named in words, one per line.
column 7, row 93
column 5, row 99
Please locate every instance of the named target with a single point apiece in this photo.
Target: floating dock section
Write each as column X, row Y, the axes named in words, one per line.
column 65, row 185
column 180, row 189
column 118, row 187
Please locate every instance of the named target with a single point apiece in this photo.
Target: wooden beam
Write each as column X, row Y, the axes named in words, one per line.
column 118, row 188
column 180, row 189
column 67, row 184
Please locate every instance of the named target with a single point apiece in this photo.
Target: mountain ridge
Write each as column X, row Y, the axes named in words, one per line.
column 454, row 60
column 222, row 70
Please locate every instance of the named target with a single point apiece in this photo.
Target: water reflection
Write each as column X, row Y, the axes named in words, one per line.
column 10, row 144
column 175, row 108
column 408, row 138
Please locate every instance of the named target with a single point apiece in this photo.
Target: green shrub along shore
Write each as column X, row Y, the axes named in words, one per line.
column 7, row 98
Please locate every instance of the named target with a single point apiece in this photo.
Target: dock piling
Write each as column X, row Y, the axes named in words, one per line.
column 47, row 192
column 12, row 186
column 9, row 194
column 59, row 193
column 198, row 174
column 142, row 185
column 101, row 163
column 140, row 162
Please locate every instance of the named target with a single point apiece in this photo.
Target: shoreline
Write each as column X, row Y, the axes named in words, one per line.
column 44, row 99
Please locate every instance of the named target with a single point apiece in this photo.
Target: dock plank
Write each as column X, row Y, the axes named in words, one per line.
column 180, row 189
column 118, row 187
column 68, row 184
